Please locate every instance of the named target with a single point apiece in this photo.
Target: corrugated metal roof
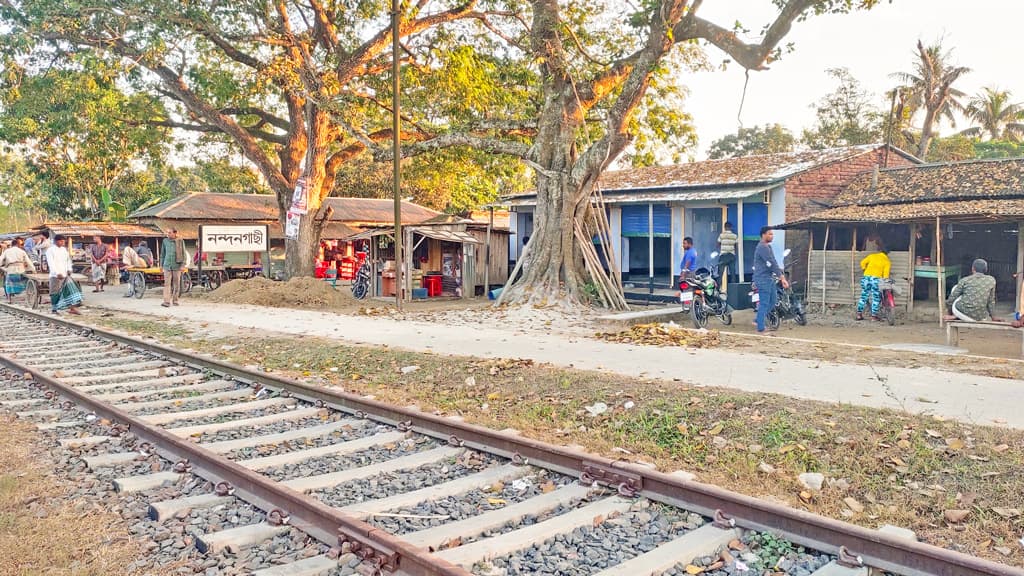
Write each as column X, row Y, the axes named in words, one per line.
column 974, row 179
column 447, row 235
column 258, row 207
column 988, row 209
column 118, row 229
column 645, row 196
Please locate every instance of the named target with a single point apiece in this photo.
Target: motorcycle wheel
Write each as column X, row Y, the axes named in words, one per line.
column 889, row 312
column 699, row 313
column 726, row 315
column 773, row 321
column 800, row 318
column 359, row 290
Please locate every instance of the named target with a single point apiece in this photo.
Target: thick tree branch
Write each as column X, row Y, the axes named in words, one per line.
column 349, row 66
column 750, row 56
column 263, row 115
column 491, row 145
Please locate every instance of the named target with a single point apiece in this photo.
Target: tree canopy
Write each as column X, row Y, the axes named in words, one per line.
column 73, row 129
column 767, row 139
column 845, row 117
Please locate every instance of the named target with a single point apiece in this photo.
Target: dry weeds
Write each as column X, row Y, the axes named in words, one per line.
column 41, row 532
column 882, row 466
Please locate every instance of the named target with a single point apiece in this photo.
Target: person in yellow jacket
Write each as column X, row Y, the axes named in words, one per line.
column 876, row 267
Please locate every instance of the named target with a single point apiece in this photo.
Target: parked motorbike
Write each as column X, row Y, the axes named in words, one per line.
column 700, row 294
column 361, row 283
column 786, row 305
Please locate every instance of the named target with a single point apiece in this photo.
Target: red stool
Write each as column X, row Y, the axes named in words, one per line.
column 433, row 285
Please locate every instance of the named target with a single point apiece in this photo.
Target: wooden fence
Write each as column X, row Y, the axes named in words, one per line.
column 842, row 273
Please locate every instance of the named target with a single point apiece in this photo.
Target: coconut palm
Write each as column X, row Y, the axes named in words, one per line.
column 931, row 88
column 995, row 115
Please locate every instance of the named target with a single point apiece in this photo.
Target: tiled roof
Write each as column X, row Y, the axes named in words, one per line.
column 759, row 168
column 118, row 229
column 258, row 207
column 986, row 209
column 974, row 179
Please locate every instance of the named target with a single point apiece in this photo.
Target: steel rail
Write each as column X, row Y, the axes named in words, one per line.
column 876, row 549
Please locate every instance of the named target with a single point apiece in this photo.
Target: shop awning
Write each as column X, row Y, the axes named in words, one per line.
column 447, row 235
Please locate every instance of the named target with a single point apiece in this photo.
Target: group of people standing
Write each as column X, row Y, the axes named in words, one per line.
column 17, row 260
column 40, row 252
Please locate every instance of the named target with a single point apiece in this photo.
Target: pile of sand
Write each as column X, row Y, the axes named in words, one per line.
column 304, row 292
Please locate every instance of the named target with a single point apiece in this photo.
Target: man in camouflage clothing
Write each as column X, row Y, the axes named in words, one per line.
column 974, row 297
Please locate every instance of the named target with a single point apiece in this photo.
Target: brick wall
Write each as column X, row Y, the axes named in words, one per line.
column 815, row 189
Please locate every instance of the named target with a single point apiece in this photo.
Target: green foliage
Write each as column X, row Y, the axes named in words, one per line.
column 997, row 117
column 767, row 139
column 770, row 548
column 998, row 149
column 81, row 138
column 951, row 149
column 846, row 116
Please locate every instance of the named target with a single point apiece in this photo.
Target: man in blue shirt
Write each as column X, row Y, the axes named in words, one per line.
column 689, row 263
column 766, row 268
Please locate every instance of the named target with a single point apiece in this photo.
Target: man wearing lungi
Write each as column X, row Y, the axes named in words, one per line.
column 99, row 255
column 64, row 293
column 15, row 263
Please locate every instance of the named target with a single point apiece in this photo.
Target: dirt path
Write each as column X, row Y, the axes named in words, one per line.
column 920, row 389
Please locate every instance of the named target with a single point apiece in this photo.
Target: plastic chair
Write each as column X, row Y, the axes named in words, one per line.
column 331, row 277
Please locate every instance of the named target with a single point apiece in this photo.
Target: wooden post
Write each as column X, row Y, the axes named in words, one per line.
column 824, row 264
column 810, row 253
column 487, row 255
column 853, row 266
column 739, row 243
column 724, row 275
column 941, row 272
column 913, row 264
column 1020, row 268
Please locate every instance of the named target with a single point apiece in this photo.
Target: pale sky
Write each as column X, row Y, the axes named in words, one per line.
column 982, row 33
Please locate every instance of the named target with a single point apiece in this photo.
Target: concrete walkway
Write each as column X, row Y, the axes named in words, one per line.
column 969, row 398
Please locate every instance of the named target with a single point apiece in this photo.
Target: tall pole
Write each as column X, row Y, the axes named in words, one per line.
column 396, row 127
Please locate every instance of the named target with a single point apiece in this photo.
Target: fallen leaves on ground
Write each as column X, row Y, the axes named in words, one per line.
column 663, row 335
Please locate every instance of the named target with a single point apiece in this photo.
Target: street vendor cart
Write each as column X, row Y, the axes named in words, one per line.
column 141, row 278
column 39, row 286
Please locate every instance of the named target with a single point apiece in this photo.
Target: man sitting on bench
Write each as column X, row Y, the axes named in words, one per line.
column 974, row 296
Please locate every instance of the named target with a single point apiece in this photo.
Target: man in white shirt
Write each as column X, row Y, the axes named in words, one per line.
column 131, row 259
column 64, row 293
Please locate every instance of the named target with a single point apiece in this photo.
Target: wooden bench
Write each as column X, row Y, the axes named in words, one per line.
column 953, row 330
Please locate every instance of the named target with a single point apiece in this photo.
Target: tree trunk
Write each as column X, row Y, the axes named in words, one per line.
column 300, row 253
column 553, row 271
column 926, row 134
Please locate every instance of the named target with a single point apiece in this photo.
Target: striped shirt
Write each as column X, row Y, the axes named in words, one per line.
column 727, row 242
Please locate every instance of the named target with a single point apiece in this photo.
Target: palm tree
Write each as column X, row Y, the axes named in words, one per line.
column 931, row 88
column 996, row 116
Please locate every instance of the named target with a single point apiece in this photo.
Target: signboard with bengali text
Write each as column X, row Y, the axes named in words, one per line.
column 247, row 238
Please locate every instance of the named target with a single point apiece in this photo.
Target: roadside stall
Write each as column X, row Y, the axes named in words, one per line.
column 441, row 261
column 935, row 220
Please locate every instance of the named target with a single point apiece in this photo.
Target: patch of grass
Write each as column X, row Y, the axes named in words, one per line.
column 159, row 329
column 41, row 531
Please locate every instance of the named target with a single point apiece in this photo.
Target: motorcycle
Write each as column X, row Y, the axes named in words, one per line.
column 361, row 283
column 786, row 305
column 700, row 294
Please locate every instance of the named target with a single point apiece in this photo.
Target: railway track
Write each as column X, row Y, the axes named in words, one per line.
column 396, row 490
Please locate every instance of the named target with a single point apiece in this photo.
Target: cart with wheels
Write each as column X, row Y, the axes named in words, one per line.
column 141, row 278
column 39, row 285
